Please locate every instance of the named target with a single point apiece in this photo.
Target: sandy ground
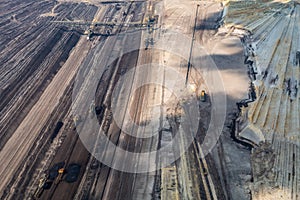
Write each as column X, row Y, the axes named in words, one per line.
column 226, row 52
column 233, row 159
column 228, row 56
column 30, row 127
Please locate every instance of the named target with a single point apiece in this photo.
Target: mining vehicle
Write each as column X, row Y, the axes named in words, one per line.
column 203, row 96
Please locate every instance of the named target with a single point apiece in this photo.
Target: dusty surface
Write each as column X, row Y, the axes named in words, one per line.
column 28, row 67
column 235, row 159
column 139, row 107
column 232, row 159
column 40, row 63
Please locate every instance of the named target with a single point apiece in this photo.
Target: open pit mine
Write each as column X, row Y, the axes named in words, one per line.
column 150, row 99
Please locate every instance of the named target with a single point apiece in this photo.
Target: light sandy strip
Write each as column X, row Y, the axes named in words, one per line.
column 17, row 147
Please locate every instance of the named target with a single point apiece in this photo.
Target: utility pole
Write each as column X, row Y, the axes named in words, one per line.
column 191, row 49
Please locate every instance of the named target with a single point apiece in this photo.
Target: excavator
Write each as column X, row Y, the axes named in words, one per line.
column 148, row 22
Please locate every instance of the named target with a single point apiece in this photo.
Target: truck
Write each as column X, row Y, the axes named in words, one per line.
column 203, row 96
column 61, row 172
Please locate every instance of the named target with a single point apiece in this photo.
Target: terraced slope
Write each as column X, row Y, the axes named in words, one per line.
column 32, row 50
column 272, row 122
